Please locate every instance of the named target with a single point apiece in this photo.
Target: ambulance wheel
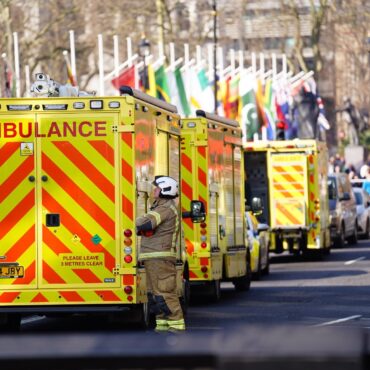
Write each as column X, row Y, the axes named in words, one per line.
column 185, row 299
column 214, row 290
column 243, row 283
column 10, row 322
column 142, row 317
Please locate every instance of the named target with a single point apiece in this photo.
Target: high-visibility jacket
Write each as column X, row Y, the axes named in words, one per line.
column 159, row 229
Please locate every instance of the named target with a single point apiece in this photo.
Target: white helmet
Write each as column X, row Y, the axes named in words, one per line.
column 169, row 186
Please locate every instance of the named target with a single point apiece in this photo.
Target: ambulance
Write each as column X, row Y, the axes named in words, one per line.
column 74, row 175
column 289, row 178
column 212, row 172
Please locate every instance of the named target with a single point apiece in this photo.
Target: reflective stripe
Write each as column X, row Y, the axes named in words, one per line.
column 157, row 255
column 175, row 234
column 176, row 324
column 156, row 215
column 161, row 325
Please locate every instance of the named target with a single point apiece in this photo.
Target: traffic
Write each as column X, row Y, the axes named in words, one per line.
column 68, row 240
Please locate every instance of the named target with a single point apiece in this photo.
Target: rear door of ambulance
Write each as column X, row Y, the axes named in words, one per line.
column 60, row 208
column 288, row 190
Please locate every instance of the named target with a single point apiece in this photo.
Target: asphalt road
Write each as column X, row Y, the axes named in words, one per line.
column 333, row 291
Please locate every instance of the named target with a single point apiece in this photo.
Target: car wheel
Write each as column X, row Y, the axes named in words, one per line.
column 257, row 275
column 354, row 237
column 367, row 232
column 340, row 240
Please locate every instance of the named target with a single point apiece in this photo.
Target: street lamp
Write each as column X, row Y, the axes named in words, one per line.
column 144, row 52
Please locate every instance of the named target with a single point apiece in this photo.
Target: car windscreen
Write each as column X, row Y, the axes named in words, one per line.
column 332, row 189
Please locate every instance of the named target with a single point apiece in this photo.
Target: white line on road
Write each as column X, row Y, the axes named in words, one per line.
column 353, row 261
column 340, row 320
column 27, row 320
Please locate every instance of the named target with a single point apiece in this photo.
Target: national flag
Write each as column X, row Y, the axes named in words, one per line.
column 8, row 80
column 249, row 115
column 161, row 83
column 270, row 110
column 260, row 102
column 177, row 91
column 126, row 78
column 71, row 78
column 206, row 99
column 193, row 89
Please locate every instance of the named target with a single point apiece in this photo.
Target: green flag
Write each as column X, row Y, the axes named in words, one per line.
column 161, row 82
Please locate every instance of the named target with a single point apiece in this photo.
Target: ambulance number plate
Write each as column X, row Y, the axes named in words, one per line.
column 11, row 271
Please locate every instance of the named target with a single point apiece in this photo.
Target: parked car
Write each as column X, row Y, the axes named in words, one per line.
column 343, row 212
column 258, row 241
column 363, row 212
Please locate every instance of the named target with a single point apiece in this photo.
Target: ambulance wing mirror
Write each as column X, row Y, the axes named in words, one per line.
column 197, row 211
column 256, row 205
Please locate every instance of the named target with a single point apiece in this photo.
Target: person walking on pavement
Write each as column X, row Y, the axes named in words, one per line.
column 159, row 231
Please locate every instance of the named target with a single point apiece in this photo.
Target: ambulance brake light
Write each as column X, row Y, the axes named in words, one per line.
column 79, row 105
column 96, row 104
column 128, row 259
column 19, row 107
column 128, row 289
column 55, row 107
column 114, row 104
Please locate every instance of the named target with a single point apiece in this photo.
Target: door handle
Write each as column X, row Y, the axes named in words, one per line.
column 44, row 178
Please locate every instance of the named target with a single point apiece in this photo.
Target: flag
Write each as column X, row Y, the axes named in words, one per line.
column 193, row 90
column 249, row 114
column 161, row 83
column 270, row 110
column 231, row 97
column 206, row 98
column 8, row 80
column 260, row 103
column 126, row 78
column 71, row 78
column 177, row 91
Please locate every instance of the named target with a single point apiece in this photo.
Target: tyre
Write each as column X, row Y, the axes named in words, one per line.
column 354, row 237
column 141, row 316
column 10, row 322
column 213, row 290
column 340, row 240
column 243, row 283
column 257, row 275
column 185, row 299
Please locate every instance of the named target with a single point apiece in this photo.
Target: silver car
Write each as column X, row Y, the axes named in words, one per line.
column 363, row 212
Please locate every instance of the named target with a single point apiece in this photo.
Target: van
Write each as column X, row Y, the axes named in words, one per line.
column 343, row 214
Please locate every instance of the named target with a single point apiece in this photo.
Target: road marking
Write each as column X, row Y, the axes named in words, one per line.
column 27, row 320
column 340, row 320
column 354, row 261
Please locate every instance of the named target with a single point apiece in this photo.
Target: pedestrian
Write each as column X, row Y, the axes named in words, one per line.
column 366, row 183
column 159, row 231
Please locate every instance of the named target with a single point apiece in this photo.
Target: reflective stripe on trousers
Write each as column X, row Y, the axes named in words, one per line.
column 165, row 325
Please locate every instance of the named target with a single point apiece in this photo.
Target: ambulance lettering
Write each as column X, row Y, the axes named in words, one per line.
column 55, row 129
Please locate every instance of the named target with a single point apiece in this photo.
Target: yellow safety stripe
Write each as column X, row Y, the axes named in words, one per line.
column 157, row 255
column 156, row 215
column 176, row 324
column 175, row 235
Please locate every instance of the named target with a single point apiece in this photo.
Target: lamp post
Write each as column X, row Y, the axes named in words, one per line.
column 144, row 51
column 214, row 13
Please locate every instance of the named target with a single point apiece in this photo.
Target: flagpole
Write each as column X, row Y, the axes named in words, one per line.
column 28, row 79
column 214, row 12
column 16, row 65
column 101, row 65
column 116, row 58
column 73, row 55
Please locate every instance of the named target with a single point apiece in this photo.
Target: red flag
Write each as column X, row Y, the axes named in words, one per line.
column 126, row 78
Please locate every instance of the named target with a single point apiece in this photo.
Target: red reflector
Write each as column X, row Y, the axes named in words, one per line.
column 128, row 289
column 129, row 298
column 128, row 241
column 127, row 233
column 205, row 276
column 203, row 225
column 204, row 245
column 128, row 259
column 204, row 269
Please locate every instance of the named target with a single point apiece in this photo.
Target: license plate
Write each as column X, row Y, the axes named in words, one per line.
column 11, row 271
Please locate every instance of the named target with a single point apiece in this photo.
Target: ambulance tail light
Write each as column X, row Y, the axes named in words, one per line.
column 127, row 233
column 128, row 241
column 203, row 225
column 203, row 245
column 128, row 289
column 128, row 258
column 204, row 269
column 203, row 231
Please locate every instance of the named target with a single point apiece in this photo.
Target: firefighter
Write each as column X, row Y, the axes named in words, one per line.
column 159, row 230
